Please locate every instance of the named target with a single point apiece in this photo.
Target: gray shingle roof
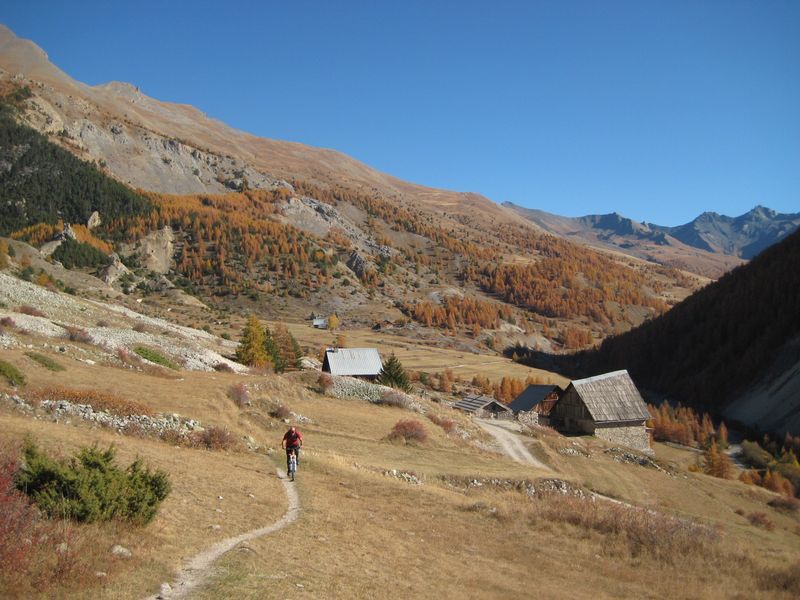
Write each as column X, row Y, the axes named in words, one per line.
column 475, row 403
column 531, row 396
column 612, row 397
column 353, row 361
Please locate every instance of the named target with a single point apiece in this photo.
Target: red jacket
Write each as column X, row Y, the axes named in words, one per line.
column 293, row 439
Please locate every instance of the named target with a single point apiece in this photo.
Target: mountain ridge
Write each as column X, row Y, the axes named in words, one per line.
column 710, row 244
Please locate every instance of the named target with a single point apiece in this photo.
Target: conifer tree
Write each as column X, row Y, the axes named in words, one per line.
column 394, row 375
column 251, row 346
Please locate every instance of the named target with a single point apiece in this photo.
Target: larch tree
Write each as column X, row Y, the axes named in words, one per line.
column 251, row 349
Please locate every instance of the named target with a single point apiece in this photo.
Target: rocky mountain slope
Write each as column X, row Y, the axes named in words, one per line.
column 710, row 245
column 301, row 230
column 743, row 236
column 175, row 148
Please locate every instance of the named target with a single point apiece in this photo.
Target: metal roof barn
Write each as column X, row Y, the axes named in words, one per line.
column 473, row 404
column 534, row 396
column 354, row 362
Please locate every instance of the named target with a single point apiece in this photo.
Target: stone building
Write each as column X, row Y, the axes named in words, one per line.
column 608, row 406
column 484, row 406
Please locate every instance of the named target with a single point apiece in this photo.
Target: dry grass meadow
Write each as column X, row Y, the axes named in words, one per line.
column 364, row 534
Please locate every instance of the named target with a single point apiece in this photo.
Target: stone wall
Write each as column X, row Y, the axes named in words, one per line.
column 632, row 436
column 528, row 417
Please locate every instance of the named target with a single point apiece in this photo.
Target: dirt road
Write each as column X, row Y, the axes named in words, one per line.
column 507, row 435
column 196, row 570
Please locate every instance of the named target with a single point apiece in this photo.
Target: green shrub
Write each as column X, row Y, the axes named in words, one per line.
column 45, row 361
column 755, row 456
column 90, row 487
column 155, row 357
column 12, row 374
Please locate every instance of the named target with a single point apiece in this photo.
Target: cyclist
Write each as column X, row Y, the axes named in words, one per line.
column 292, row 442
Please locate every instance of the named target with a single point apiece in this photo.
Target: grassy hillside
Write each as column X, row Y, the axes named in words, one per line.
column 364, row 533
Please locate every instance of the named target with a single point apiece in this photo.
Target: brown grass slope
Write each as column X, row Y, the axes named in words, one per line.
column 363, row 533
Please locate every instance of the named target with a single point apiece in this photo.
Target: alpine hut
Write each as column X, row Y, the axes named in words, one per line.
column 484, row 406
column 608, row 406
column 353, row 362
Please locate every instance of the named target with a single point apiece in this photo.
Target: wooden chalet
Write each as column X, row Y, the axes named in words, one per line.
column 484, row 406
column 608, row 406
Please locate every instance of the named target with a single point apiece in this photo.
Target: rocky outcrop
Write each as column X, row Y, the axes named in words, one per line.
column 154, row 251
column 114, row 270
column 358, row 264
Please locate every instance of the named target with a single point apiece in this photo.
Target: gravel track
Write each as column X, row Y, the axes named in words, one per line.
column 505, row 433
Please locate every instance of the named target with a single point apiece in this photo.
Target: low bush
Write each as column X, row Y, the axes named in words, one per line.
column 140, row 328
column 103, row 323
column 12, row 374
column 32, row 551
column 785, row 503
column 97, row 400
column 213, row 438
column 393, row 398
column 642, row 531
column 30, row 311
column 7, row 322
column 45, row 361
column 90, row 487
column 325, row 383
column 155, row 357
column 449, row 425
column 754, row 455
column 280, row 412
column 782, row 580
column 222, row 367
column 77, row 334
column 409, row 430
column 240, row 395
column 760, row 519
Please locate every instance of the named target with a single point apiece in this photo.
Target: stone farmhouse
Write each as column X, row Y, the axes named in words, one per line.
column 484, row 406
column 608, row 406
column 353, row 362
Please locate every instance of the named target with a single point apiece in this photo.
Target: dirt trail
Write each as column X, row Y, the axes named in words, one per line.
column 197, row 569
column 506, row 434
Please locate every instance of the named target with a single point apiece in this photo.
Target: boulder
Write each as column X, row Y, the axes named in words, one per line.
column 114, row 270
column 94, row 220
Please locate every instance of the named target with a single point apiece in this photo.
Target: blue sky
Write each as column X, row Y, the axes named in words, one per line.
column 657, row 110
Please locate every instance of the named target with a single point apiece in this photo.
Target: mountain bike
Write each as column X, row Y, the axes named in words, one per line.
column 292, row 470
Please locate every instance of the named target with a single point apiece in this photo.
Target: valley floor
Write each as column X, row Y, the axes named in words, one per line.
column 367, row 529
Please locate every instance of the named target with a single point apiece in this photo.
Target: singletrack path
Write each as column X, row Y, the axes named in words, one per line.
column 506, row 434
column 197, row 569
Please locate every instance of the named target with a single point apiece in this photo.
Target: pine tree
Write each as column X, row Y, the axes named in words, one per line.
column 251, row 346
column 394, row 375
